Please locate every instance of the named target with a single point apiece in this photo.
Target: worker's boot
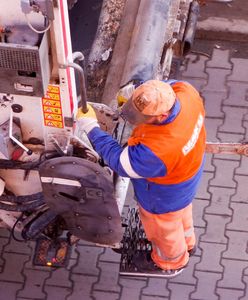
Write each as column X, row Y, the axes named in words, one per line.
column 192, row 251
column 144, row 264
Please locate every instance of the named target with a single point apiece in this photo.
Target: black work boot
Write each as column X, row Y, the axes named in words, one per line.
column 192, row 251
column 145, row 265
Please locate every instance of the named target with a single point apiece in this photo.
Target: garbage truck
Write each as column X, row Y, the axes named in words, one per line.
column 54, row 187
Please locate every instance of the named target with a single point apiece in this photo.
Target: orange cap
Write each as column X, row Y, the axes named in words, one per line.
column 152, row 98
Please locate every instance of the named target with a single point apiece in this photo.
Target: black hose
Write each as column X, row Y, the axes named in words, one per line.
column 19, row 165
column 13, row 229
column 21, row 208
column 22, row 199
column 38, row 225
column 10, row 164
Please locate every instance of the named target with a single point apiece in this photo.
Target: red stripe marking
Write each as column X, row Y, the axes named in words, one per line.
column 66, row 53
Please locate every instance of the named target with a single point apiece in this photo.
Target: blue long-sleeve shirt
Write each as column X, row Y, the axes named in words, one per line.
column 139, row 163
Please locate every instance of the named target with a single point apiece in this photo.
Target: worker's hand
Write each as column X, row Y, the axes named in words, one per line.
column 89, row 114
column 86, row 121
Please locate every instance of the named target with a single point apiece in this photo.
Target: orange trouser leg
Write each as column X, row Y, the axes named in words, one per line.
column 189, row 227
column 167, row 235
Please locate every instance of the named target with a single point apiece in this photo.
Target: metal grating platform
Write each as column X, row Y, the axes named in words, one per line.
column 134, row 241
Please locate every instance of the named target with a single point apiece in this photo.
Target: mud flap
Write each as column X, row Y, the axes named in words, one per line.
column 50, row 253
column 82, row 193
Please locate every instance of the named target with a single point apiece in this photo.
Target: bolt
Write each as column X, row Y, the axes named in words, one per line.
column 17, row 108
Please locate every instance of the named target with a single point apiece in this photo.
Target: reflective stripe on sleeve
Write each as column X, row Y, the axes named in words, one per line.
column 125, row 162
column 163, row 256
column 189, row 232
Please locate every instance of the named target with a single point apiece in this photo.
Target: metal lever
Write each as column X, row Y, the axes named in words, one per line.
column 79, row 56
column 29, row 152
column 227, row 148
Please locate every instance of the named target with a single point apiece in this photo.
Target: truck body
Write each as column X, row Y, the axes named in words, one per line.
column 51, row 179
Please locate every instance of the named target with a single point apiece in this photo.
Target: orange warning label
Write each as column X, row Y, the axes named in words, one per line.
column 52, row 123
column 53, row 89
column 52, row 110
column 52, row 96
column 49, row 102
column 49, row 116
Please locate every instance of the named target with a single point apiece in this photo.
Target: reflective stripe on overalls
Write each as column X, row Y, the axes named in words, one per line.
column 171, row 234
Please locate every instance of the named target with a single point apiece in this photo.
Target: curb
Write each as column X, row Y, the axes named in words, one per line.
column 222, row 29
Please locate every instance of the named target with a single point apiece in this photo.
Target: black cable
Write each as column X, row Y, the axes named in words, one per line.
column 37, row 226
column 12, row 232
column 21, row 208
column 12, row 164
column 22, row 199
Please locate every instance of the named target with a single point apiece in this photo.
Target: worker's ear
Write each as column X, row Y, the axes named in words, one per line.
column 163, row 117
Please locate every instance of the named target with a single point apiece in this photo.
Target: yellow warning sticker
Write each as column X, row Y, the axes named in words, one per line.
column 53, row 89
column 52, row 96
column 49, row 102
column 52, row 109
column 49, row 116
column 53, row 123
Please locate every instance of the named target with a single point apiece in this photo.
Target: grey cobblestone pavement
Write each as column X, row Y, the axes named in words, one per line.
column 219, row 270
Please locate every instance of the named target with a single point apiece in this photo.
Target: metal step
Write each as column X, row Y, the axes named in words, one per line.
column 136, row 251
column 134, row 241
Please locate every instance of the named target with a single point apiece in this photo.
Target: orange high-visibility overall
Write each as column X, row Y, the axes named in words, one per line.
column 181, row 147
column 172, row 236
column 174, row 150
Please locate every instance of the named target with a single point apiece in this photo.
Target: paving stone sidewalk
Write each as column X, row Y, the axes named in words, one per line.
column 219, row 270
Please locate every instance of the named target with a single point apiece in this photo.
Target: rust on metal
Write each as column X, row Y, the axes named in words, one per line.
column 227, row 148
column 101, row 51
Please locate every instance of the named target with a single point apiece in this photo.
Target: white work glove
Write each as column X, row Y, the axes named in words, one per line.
column 86, row 121
column 125, row 93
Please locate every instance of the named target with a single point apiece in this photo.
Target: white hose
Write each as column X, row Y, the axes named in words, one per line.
column 36, row 30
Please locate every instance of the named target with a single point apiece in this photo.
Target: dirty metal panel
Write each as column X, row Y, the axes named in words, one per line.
column 82, row 192
column 24, row 69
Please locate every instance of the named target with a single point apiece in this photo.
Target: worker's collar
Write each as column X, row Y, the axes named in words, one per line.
column 173, row 114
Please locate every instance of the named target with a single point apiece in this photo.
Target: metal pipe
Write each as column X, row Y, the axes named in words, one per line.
column 80, row 71
column 78, row 56
column 190, row 29
column 147, row 41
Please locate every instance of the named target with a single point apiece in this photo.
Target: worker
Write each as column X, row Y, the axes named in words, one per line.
column 164, row 159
